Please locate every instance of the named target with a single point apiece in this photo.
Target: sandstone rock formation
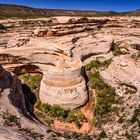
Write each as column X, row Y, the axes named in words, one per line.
column 12, row 107
column 61, row 57
column 60, row 61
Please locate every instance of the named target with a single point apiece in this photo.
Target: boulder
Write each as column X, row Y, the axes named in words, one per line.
column 42, row 32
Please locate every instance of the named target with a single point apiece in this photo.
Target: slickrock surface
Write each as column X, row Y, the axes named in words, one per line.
column 12, row 103
column 58, row 57
column 59, row 48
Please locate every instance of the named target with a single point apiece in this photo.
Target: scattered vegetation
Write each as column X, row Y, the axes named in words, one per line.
column 102, row 134
column 97, row 64
column 33, row 81
column 31, row 85
column 105, row 94
column 77, row 117
column 136, row 117
column 49, row 122
column 11, row 120
column 117, row 51
column 69, row 135
column 31, row 134
column 56, row 111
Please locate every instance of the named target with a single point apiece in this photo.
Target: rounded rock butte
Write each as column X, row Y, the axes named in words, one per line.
column 64, row 85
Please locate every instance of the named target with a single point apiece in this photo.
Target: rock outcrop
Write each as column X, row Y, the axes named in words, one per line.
column 60, row 60
column 60, row 49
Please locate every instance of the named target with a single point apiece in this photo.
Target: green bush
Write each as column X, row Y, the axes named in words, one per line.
column 105, row 95
column 24, row 77
column 54, row 110
column 34, row 81
column 77, row 124
column 71, row 117
column 102, row 134
column 105, row 98
column 49, row 122
column 116, row 50
column 97, row 82
column 75, row 115
column 11, row 120
column 97, row 64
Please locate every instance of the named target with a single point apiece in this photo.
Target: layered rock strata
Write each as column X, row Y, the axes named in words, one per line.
column 60, row 49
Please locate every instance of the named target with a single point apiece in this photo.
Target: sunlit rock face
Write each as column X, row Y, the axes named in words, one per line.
column 59, row 52
column 64, row 85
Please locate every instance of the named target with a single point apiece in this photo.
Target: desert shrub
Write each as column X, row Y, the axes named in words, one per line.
column 102, row 134
column 117, row 52
column 49, row 122
column 135, row 117
column 54, row 110
column 31, row 84
column 97, row 64
column 105, row 98
column 106, row 63
column 11, row 120
column 97, row 82
column 120, row 120
column 75, row 115
column 31, row 134
column 77, row 124
column 24, row 77
column 34, row 81
column 71, row 117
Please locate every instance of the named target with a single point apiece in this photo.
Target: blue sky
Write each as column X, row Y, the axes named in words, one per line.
column 98, row 5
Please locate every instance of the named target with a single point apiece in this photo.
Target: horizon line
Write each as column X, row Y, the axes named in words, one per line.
column 86, row 10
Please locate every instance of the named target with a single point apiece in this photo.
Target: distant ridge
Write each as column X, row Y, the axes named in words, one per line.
column 9, row 10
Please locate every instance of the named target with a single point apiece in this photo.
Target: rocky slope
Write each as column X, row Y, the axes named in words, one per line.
column 7, row 11
column 14, row 116
column 17, row 10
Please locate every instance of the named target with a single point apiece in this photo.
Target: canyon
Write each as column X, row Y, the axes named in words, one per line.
column 60, row 48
